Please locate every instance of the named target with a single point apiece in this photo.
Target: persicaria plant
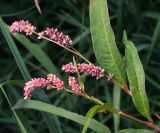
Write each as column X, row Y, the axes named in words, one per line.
column 128, row 76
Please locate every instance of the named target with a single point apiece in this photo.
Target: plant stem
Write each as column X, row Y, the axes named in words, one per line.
column 97, row 101
column 146, row 123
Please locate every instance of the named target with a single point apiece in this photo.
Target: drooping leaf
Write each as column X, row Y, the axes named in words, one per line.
column 93, row 111
column 136, row 131
column 103, row 39
column 37, row 105
column 136, row 79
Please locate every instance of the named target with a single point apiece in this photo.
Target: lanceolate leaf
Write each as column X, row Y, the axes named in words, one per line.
column 93, row 111
column 104, row 43
column 136, row 79
column 32, row 104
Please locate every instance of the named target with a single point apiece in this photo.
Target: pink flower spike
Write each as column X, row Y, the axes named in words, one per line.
column 33, row 84
column 68, row 68
column 74, row 86
column 54, row 82
column 22, row 26
column 91, row 69
column 58, row 37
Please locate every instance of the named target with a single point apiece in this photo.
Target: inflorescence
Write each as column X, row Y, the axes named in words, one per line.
column 52, row 81
column 89, row 69
column 53, row 34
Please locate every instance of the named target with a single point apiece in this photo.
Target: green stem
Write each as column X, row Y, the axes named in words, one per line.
column 97, row 101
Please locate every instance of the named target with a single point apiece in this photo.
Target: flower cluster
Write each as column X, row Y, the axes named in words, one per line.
column 89, row 69
column 58, row 37
column 54, row 82
column 22, row 26
column 51, row 82
column 32, row 84
column 53, row 34
column 74, row 86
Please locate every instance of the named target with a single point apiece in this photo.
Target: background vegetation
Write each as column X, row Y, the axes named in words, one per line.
column 140, row 18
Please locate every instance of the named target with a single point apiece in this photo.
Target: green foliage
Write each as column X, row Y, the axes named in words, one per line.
column 93, row 111
column 32, row 104
column 136, row 79
column 23, row 130
column 104, row 43
column 139, row 18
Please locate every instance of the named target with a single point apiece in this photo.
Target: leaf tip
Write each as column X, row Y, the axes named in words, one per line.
column 124, row 39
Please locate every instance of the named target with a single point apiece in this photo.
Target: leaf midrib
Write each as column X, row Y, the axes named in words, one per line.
column 104, row 24
column 138, row 85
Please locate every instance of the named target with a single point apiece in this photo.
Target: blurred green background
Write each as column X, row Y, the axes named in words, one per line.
column 141, row 20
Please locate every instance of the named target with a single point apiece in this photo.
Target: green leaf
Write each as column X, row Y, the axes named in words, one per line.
column 103, row 39
column 136, row 79
column 15, row 114
column 15, row 51
column 136, row 131
column 32, row 104
column 25, row 73
column 40, row 55
column 93, row 111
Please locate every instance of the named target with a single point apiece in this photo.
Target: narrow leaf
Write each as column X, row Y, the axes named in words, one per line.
column 32, row 104
column 136, row 79
column 25, row 73
column 16, row 116
column 94, row 110
column 14, row 51
column 90, row 114
column 103, row 39
column 79, row 77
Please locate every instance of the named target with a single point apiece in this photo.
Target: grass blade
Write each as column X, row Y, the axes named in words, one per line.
column 155, row 38
column 53, row 121
column 14, row 51
column 40, row 55
column 16, row 116
column 32, row 104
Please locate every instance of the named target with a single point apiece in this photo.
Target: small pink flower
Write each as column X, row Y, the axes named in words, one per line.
column 110, row 76
column 89, row 69
column 22, row 26
column 68, row 68
column 54, row 82
column 40, row 35
column 74, row 86
column 58, row 37
column 32, row 84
